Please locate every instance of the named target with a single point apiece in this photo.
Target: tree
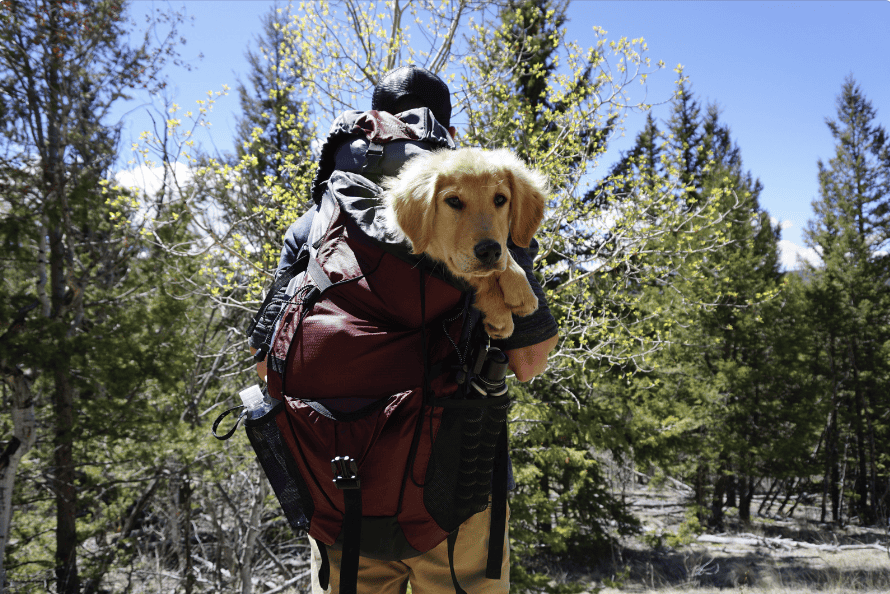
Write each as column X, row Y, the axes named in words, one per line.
column 62, row 66
column 274, row 133
column 850, row 296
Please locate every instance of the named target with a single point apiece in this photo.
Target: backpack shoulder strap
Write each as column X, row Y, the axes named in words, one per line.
column 300, row 265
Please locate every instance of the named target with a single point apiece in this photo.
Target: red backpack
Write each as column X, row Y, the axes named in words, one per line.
column 390, row 426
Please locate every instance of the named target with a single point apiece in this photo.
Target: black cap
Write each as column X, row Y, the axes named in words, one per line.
column 408, row 87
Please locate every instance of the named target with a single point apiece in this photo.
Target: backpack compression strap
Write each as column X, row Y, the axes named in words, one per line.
column 347, row 480
column 498, row 509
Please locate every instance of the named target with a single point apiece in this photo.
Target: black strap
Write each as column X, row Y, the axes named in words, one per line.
column 318, row 275
column 231, row 431
column 452, row 538
column 427, row 396
column 352, row 536
column 498, row 509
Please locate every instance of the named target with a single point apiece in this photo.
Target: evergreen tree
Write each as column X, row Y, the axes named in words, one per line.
column 274, row 132
column 850, row 296
column 89, row 329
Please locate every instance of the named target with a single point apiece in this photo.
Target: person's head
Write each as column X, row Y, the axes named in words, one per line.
column 409, row 87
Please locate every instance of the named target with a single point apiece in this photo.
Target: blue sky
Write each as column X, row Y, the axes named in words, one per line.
column 775, row 69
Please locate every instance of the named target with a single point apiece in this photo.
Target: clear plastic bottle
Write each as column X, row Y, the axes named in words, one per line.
column 255, row 402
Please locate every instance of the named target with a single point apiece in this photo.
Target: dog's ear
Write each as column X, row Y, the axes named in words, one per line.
column 411, row 196
column 529, row 189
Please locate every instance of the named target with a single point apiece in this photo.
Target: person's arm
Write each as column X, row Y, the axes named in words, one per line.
column 534, row 336
column 529, row 361
column 260, row 367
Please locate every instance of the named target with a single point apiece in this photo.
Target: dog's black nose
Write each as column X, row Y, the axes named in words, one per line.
column 488, row 251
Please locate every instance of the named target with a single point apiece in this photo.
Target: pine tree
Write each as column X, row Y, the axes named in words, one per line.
column 851, row 297
column 72, row 280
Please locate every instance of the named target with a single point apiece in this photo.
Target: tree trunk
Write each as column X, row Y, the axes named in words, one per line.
column 789, row 492
column 53, row 162
column 840, row 484
column 253, row 532
column 878, row 514
column 546, row 525
column 23, row 438
column 767, row 503
column 185, row 502
column 746, row 494
column 830, row 480
column 63, row 484
column 63, row 416
column 863, row 507
column 717, row 502
column 731, row 491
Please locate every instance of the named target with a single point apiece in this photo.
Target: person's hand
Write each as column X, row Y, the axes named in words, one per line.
column 527, row 362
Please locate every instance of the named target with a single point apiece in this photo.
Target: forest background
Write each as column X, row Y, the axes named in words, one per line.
column 687, row 352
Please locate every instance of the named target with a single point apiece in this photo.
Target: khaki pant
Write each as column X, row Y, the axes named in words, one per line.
column 429, row 573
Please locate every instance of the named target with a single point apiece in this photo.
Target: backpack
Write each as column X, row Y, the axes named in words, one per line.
column 390, row 424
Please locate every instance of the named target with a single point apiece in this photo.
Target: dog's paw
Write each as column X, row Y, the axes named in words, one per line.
column 499, row 327
column 519, row 297
column 527, row 304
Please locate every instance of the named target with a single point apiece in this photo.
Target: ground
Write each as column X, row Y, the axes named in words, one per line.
column 771, row 555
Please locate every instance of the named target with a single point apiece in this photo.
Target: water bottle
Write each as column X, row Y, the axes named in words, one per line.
column 491, row 382
column 255, row 402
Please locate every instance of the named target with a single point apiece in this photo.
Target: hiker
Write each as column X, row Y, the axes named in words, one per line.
column 464, row 558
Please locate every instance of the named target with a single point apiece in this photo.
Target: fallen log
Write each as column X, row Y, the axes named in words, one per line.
column 779, row 542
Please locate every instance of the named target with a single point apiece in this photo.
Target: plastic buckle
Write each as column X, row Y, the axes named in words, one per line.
column 345, row 473
column 261, row 353
column 373, row 156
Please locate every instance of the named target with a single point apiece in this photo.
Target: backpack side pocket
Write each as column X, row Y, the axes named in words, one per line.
column 459, row 486
column 280, row 468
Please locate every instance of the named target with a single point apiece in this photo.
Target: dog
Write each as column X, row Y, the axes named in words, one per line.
column 458, row 207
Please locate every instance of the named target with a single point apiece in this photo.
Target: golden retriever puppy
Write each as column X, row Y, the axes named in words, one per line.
column 458, row 207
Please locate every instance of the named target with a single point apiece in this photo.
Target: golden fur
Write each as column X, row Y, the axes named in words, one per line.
column 458, row 207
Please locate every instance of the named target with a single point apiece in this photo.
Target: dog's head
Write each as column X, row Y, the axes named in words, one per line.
column 460, row 206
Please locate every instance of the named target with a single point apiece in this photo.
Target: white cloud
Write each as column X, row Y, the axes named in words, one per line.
column 149, row 179
column 792, row 256
column 784, row 225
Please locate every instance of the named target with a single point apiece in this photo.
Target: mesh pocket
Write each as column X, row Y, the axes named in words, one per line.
column 280, row 469
column 459, row 475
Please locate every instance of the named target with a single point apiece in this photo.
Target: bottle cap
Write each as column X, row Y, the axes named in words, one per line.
column 252, row 397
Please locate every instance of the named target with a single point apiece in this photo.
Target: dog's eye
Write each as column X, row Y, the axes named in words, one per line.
column 500, row 200
column 454, row 202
